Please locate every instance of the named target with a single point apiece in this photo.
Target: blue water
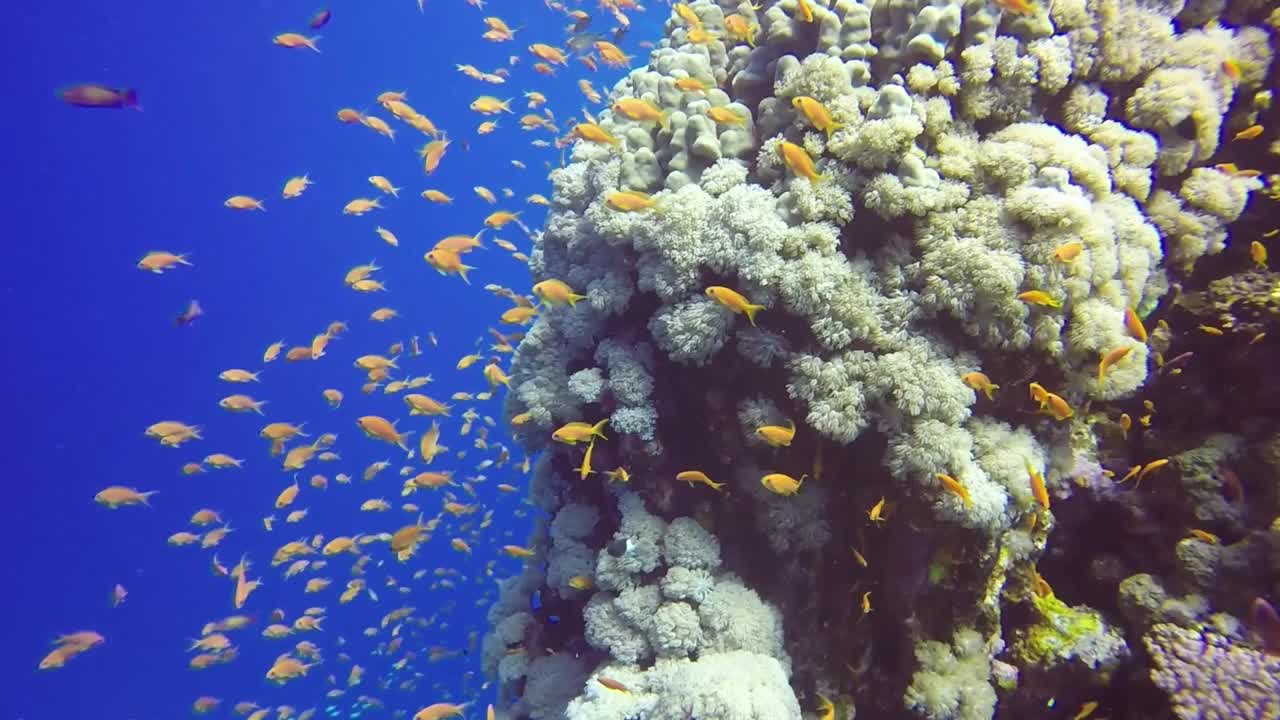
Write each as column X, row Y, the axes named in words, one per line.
column 93, row 355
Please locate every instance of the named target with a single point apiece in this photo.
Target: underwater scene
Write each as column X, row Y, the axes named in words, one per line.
column 643, row 360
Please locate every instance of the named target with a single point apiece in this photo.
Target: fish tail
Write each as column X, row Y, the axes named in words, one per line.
column 751, row 311
column 598, row 428
column 462, row 272
column 145, row 497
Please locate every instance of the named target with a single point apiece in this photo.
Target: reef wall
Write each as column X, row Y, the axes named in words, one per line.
column 939, row 205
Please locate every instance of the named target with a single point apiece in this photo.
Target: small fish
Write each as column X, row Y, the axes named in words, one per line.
column 1248, row 133
column 640, row 110
column 629, row 200
column 1204, row 536
column 697, row 476
column 585, row 468
column 1017, row 7
column 91, row 95
column 1150, row 468
column 1265, row 622
column 1133, row 325
column 116, row 496
column 296, row 40
column 815, row 112
column 489, row 105
column 1085, row 710
column 1067, row 252
column 517, row 551
column 575, row 432
column 858, row 557
column 1231, row 68
column 798, row 160
column 979, row 382
column 1111, row 358
column 612, row 684
column 955, row 487
column 118, row 594
column 734, row 301
column 777, row 435
column 556, row 292
column 448, row 263
column 189, row 315
column 1039, row 297
column 320, row 19
column 592, row 132
column 782, row 484
column 244, row 202
column 876, row 513
column 1038, row 490
column 1258, row 252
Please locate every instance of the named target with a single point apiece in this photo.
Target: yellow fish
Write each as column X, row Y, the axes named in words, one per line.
column 798, row 160
column 816, row 113
column 777, row 435
column 1039, row 297
column 734, row 301
column 782, row 484
column 576, row 432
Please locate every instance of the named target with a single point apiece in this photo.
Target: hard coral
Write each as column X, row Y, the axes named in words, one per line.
column 1209, row 676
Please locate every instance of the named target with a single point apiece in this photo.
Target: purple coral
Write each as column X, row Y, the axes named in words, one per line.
column 1209, row 677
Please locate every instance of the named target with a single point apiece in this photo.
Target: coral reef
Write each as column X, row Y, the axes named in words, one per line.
column 1209, row 676
column 936, row 240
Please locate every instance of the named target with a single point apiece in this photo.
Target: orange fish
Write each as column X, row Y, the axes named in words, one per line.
column 955, row 487
column 697, row 476
column 1038, row 489
column 1018, row 7
column 1133, row 324
column 1111, row 358
column 1248, row 133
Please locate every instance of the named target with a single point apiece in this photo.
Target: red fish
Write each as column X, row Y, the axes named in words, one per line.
column 188, row 316
column 1266, row 623
column 612, row 684
column 1232, row 488
column 320, row 19
column 91, row 95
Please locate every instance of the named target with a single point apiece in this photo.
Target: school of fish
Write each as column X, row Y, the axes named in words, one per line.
column 351, row 565
column 424, row 488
